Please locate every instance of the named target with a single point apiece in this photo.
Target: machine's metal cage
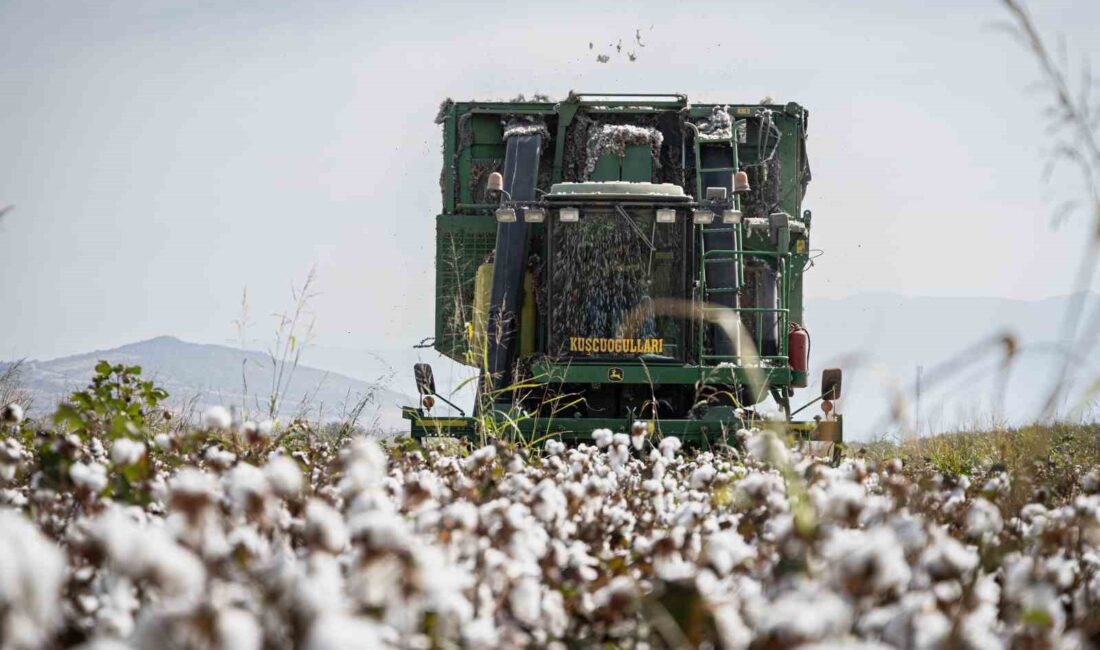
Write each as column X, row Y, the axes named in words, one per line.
column 767, row 142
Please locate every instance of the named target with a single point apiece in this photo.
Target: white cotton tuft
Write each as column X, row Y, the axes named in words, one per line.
column 91, row 476
column 702, row 477
column 325, row 527
column 31, row 571
column 217, row 418
column 11, row 414
column 766, row 447
column 669, row 446
column 602, row 437
column 284, row 476
column 335, row 631
column 125, row 452
column 983, row 518
column 525, row 601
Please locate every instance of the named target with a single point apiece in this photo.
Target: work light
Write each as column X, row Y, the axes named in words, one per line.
column 506, row 215
column 702, row 217
column 731, row 216
column 666, row 215
column 569, row 215
column 534, row 215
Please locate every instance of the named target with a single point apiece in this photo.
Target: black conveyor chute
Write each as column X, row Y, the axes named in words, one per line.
column 722, row 273
column 521, row 166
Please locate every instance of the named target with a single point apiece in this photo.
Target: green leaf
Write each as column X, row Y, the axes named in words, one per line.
column 68, row 415
column 103, row 368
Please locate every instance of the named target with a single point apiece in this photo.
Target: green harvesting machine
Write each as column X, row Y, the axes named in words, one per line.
column 618, row 261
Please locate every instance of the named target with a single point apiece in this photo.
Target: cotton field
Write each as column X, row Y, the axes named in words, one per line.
column 230, row 536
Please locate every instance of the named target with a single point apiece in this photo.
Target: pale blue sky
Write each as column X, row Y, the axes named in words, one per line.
column 162, row 156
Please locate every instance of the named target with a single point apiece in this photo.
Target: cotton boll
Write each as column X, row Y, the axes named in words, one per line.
column 190, row 490
column 336, row 631
column 248, row 489
column 325, row 527
column 284, row 476
column 983, row 518
column 11, row 414
column 602, row 437
column 217, row 418
column 638, row 434
column 91, row 477
column 727, row 549
column 702, row 477
column 266, row 428
column 525, row 601
column 865, row 562
column 162, row 441
column 481, row 634
column 946, row 558
column 808, row 613
column 364, row 466
column 31, row 573
column 766, row 447
column 555, row 447
column 461, row 514
column 219, row 458
column 669, row 446
column 237, row 628
column 618, row 456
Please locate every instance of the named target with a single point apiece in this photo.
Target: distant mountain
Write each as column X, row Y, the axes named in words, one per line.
column 879, row 339
column 198, row 375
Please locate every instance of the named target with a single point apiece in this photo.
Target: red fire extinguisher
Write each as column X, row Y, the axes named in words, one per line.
column 798, row 351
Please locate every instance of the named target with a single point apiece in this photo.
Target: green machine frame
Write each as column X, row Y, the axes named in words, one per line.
column 761, row 140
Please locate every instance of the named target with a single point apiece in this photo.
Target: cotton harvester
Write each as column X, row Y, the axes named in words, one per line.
column 610, row 260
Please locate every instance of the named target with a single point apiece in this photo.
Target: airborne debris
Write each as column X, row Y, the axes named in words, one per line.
column 603, row 58
column 633, row 56
column 638, row 37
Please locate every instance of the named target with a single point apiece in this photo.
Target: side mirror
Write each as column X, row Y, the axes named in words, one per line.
column 830, row 383
column 425, row 378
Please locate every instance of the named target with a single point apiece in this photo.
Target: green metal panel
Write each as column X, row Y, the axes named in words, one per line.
column 607, row 168
column 449, row 151
column 486, row 129
column 463, row 242
column 638, row 164
column 637, row 373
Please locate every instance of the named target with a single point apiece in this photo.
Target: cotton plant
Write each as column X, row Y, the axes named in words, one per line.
column 222, row 537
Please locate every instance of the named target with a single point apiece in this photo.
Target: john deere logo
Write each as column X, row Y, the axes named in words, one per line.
column 615, row 374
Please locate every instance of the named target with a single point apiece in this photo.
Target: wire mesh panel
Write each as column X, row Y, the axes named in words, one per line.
column 463, row 242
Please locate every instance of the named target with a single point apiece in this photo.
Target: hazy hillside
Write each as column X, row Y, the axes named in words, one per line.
column 878, row 338
column 212, row 374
